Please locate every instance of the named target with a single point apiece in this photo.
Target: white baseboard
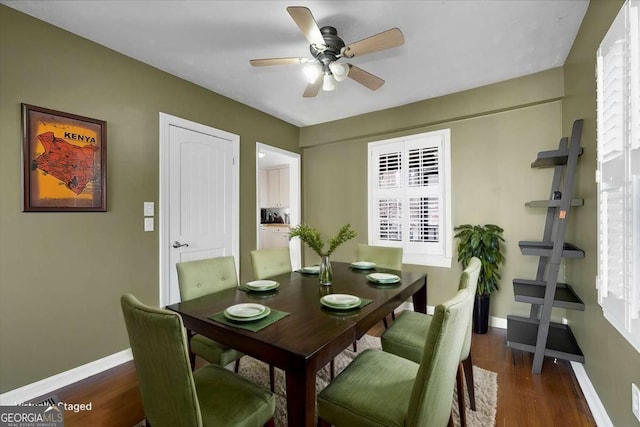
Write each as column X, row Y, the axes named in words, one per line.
column 55, row 382
column 598, row 411
column 498, row 322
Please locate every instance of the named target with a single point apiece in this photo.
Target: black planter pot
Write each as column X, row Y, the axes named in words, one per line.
column 481, row 314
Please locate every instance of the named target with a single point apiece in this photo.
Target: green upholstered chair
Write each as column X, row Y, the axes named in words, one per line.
column 405, row 338
column 382, row 389
column 383, row 256
column 202, row 277
column 172, row 394
column 270, row 262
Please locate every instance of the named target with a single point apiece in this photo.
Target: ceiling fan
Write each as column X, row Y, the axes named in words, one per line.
column 327, row 48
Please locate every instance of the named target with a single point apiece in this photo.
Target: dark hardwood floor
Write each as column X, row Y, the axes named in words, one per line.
column 550, row 399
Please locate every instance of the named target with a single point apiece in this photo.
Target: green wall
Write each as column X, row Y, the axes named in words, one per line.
column 496, row 132
column 610, row 361
column 61, row 274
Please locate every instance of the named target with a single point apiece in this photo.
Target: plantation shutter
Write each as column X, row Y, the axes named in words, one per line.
column 618, row 163
column 407, row 195
column 388, row 194
column 424, row 195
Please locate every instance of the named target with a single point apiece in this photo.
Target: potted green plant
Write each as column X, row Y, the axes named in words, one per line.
column 483, row 242
column 312, row 238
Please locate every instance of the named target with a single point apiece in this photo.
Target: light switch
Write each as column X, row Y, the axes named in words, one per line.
column 148, row 208
column 148, row 224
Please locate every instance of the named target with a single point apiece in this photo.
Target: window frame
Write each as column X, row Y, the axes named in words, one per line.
column 618, row 139
column 423, row 253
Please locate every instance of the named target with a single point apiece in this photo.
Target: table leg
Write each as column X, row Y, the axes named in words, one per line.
column 420, row 298
column 301, row 397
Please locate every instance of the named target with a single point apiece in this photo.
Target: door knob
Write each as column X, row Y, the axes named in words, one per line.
column 177, row 244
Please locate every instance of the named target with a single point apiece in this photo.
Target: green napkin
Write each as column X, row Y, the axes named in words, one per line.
column 364, row 302
column 273, row 317
column 376, row 283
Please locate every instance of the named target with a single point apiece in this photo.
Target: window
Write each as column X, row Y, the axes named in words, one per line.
column 618, row 176
column 409, row 197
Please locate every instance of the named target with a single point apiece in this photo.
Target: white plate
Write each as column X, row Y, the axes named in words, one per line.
column 340, row 301
column 363, row 265
column 262, row 315
column 383, row 278
column 314, row 269
column 262, row 285
column 246, row 310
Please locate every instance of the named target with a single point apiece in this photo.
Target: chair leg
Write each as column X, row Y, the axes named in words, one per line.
column 270, row 423
column 323, row 423
column 461, row 405
column 384, row 321
column 355, row 346
column 272, row 378
column 393, row 315
column 192, row 356
column 332, row 369
column 450, row 420
column 192, row 360
column 237, row 368
column 468, row 375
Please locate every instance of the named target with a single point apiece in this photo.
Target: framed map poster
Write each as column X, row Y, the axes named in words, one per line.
column 64, row 161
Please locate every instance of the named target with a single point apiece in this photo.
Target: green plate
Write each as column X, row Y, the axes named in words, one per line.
column 340, row 301
column 314, row 269
column 383, row 278
column 262, row 285
column 246, row 312
column 363, row 265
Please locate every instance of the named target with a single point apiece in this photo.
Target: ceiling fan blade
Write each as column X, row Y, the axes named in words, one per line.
column 307, row 23
column 365, row 78
column 381, row 41
column 277, row 61
column 313, row 88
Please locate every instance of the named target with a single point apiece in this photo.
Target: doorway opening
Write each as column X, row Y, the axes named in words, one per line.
column 277, row 199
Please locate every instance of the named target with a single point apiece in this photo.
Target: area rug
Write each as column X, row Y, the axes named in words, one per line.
column 486, row 401
column 487, row 381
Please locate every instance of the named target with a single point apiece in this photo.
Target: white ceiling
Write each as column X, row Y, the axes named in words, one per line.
column 449, row 45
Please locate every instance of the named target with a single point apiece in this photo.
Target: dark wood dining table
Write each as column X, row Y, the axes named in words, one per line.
column 310, row 336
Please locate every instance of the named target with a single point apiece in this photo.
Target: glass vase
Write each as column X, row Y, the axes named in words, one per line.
column 326, row 275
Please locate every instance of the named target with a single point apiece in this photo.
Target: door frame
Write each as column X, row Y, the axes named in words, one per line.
column 294, row 197
column 166, row 121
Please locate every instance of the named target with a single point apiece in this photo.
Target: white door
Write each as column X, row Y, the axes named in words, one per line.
column 201, row 198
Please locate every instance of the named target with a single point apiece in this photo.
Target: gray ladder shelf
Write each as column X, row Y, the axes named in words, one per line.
column 537, row 334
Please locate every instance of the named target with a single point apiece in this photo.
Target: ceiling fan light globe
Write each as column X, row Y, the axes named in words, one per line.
column 312, row 71
column 329, row 83
column 339, row 78
column 340, row 71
